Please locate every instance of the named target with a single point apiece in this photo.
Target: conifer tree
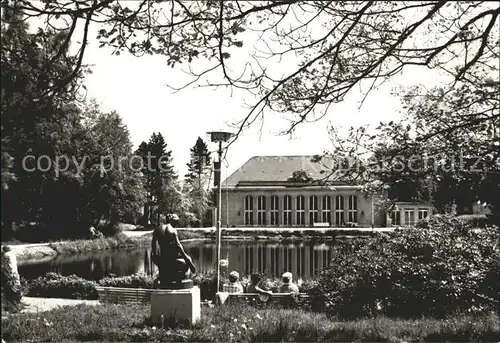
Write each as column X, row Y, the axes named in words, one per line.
column 199, row 169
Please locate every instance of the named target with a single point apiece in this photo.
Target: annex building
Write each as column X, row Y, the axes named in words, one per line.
column 290, row 191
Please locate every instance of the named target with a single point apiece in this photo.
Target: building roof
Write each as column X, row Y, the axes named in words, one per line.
column 276, row 170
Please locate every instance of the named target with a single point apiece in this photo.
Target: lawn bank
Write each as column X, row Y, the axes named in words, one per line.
column 134, row 239
column 131, row 323
column 27, row 252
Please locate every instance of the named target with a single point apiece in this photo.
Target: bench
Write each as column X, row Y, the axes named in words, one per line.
column 124, row 295
column 282, row 299
column 321, row 224
column 143, row 296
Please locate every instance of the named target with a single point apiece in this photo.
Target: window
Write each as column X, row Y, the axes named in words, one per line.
column 313, row 209
column 353, row 209
column 396, row 217
column 409, row 217
column 326, row 206
column 274, row 210
column 339, row 210
column 248, row 210
column 287, row 210
column 422, row 213
column 261, row 210
column 300, row 210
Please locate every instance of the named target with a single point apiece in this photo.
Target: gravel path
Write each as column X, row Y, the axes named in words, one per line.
column 35, row 305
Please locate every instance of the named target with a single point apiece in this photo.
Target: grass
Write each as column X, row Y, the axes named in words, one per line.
column 53, row 249
column 131, row 323
column 119, row 241
column 83, row 245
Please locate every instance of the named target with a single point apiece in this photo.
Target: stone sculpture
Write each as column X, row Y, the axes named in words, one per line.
column 174, row 265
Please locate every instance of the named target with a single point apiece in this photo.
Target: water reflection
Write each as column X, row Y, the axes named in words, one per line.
column 302, row 259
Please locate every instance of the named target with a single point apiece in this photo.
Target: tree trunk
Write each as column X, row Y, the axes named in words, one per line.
column 7, row 220
column 200, row 192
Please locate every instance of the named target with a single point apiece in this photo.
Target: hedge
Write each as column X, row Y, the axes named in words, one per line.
column 54, row 285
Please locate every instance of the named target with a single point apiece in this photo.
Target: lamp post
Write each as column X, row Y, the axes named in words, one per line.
column 373, row 214
column 219, row 137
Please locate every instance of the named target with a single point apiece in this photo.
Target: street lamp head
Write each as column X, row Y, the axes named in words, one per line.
column 220, row 136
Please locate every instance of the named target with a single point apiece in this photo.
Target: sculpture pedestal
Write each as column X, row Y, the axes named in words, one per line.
column 181, row 304
column 183, row 284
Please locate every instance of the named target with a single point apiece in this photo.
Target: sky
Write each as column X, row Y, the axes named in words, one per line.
column 136, row 87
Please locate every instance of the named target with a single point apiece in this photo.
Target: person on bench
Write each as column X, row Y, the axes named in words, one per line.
column 288, row 286
column 234, row 285
column 253, row 287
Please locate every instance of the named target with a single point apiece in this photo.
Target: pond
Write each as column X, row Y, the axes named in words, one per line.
column 303, row 259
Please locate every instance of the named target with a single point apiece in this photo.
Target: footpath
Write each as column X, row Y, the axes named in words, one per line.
column 35, row 305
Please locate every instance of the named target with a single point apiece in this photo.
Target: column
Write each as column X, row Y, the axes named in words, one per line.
column 254, row 201
column 415, row 215
column 346, row 207
column 294, row 210
column 268, row 267
column 299, row 260
column 255, row 259
column 282, row 259
column 267, row 200
column 307, row 264
column 402, row 216
column 281, row 203
column 306, row 208
column 320, row 208
column 294, row 262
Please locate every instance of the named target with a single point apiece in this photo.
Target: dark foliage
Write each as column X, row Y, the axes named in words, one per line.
column 442, row 267
column 11, row 287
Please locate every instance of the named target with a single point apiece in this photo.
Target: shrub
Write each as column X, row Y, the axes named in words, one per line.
column 442, row 267
column 475, row 220
column 188, row 219
column 11, row 285
column 111, row 229
column 126, row 227
column 187, row 234
column 207, row 282
column 132, row 281
column 53, row 285
column 31, row 232
column 143, row 228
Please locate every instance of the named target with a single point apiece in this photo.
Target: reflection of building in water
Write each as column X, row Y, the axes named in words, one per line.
column 302, row 260
column 147, row 265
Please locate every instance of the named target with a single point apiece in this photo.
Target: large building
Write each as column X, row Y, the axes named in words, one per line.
column 290, row 191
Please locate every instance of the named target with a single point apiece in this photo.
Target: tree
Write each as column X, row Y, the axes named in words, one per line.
column 34, row 121
column 159, row 173
column 462, row 125
column 445, row 150
column 330, row 46
column 113, row 187
column 197, row 178
column 174, row 199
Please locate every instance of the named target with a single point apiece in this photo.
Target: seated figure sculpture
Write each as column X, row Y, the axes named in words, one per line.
column 174, row 265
